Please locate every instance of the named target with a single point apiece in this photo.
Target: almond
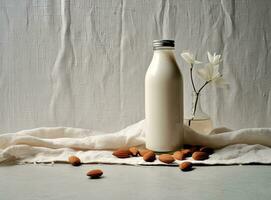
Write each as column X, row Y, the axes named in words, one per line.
column 122, row 153
column 142, row 152
column 95, row 173
column 166, row 158
column 207, row 150
column 134, row 151
column 186, row 166
column 186, row 152
column 74, row 160
column 178, row 155
column 149, row 156
column 198, row 155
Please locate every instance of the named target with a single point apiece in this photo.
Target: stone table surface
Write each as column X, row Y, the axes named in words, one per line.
column 62, row 181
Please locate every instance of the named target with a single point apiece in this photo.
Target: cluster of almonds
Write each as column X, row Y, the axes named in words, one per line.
column 197, row 153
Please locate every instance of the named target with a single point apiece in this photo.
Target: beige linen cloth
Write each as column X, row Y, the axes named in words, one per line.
column 45, row 145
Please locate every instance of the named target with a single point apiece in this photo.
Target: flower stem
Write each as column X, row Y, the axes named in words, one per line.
column 196, row 102
column 197, row 93
column 194, row 88
column 195, row 105
column 204, row 86
column 191, row 76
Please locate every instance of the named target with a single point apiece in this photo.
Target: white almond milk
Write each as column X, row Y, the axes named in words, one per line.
column 164, row 100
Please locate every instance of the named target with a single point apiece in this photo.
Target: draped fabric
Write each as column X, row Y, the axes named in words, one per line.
column 44, row 145
column 81, row 63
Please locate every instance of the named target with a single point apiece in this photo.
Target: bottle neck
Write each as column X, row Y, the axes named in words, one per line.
column 164, row 52
column 163, row 48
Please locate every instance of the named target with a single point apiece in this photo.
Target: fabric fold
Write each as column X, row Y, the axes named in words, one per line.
column 57, row 144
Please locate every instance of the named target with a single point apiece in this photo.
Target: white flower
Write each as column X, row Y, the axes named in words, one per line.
column 220, row 82
column 214, row 59
column 210, row 73
column 189, row 58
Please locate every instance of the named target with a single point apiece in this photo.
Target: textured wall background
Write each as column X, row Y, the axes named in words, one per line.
column 82, row 62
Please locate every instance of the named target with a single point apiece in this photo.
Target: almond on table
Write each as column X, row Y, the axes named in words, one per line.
column 187, row 152
column 142, row 152
column 198, row 155
column 122, row 153
column 186, row 166
column 74, row 160
column 166, row 158
column 149, row 156
column 134, row 151
column 178, row 155
column 95, row 173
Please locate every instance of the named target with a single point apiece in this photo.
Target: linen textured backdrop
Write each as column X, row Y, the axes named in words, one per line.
column 82, row 63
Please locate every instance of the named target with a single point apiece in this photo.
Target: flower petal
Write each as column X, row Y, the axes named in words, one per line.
column 188, row 57
column 211, row 70
column 214, row 59
column 210, row 57
column 197, row 62
column 220, row 82
column 204, row 73
column 215, row 72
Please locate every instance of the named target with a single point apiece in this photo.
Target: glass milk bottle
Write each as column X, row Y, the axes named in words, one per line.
column 164, row 99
